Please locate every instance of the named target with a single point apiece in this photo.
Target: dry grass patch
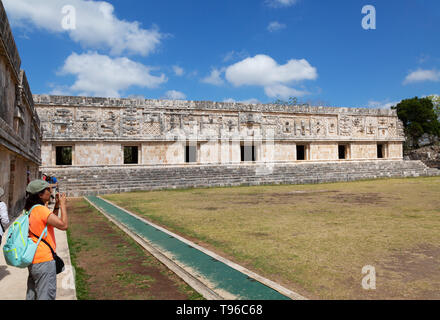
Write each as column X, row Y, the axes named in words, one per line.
column 110, row 265
column 315, row 239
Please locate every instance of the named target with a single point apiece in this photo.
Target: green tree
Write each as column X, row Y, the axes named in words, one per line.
column 436, row 102
column 418, row 117
column 293, row 101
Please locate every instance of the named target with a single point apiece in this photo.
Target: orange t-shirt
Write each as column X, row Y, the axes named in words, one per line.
column 37, row 223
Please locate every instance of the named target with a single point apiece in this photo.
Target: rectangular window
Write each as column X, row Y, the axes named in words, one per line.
column 342, row 151
column 63, row 156
column 131, row 155
column 300, row 152
column 190, row 153
column 380, row 151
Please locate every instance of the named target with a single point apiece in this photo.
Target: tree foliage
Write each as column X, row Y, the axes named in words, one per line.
column 292, row 101
column 419, row 118
column 436, row 102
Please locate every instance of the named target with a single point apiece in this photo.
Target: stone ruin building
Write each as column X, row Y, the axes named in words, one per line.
column 99, row 131
column 100, row 145
column 20, row 136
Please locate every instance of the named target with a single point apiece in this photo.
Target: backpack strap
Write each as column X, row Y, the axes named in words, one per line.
column 37, row 205
column 47, row 243
column 45, row 229
column 41, row 236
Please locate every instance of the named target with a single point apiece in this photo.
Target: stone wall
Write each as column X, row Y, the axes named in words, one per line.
column 99, row 128
column 20, row 134
column 78, row 181
column 430, row 155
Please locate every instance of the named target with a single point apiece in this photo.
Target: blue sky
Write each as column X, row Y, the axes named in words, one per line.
column 242, row 50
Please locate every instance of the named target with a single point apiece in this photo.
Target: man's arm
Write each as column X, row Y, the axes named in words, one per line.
column 4, row 214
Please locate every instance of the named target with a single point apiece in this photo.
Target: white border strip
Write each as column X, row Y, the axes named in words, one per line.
column 265, row 281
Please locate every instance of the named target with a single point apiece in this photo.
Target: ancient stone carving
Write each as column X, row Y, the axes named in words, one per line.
column 108, row 125
column 152, row 124
column 319, row 127
column 400, row 129
column 359, row 124
column 383, row 122
column 286, row 126
column 130, row 121
column 154, row 119
column 345, row 126
column 84, row 117
column 382, row 127
column 332, row 126
column 63, row 121
column 371, row 126
column 190, row 124
column 303, row 128
column 230, row 123
column 251, row 118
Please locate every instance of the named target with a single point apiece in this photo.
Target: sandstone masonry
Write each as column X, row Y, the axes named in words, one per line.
column 98, row 129
column 119, row 145
column 20, row 135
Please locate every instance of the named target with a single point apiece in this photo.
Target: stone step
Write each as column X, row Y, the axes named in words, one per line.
column 107, row 180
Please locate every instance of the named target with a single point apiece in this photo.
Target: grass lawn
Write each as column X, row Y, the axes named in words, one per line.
column 315, row 239
column 109, row 265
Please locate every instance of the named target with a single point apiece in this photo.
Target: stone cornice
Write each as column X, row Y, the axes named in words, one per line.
column 163, row 105
column 8, row 43
column 26, row 95
column 10, row 140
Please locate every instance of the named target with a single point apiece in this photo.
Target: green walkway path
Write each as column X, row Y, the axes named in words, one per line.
column 220, row 275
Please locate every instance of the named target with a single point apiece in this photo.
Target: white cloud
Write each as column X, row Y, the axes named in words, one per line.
column 385, row 104
column 423, row 58
column 178, row 71
column 97, row 26
column 214, row 78
column 280, row 3
column 175, row 95
column 264, row 71
column 283, row 92
column 247, row 101
column 422, row 75
column 275, row 26
column 233, row 55
column 100, row 75
column 59, row 90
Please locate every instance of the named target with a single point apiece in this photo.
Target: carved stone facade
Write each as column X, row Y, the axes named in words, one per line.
column 20, row 136
column 98, row 129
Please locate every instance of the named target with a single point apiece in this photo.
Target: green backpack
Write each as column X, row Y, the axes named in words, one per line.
column 19, row 249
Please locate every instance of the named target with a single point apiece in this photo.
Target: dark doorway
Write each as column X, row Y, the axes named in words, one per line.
column 300, row 152
column 190, row 154
column 247, row 153
column 63, row 156
column 342, row 150
column 380, row 151
column 131, row 155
